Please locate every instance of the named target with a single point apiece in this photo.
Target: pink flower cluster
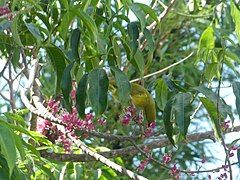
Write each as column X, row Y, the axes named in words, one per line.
column 175, row 172
column 166, row 159
column 5, row 10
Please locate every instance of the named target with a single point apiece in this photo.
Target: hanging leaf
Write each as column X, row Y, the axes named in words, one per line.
column 123, row 85
column 236, row 91
column 137, row 10
column 212, row 71
column 212, row 111
column 224, row 109
column 182, row 109
column 139, row 60
column 98, row 88
column 235, row 13
column 161, row 94
column 117, row 51
column 74, row 44
column 81, row 95
column 14, row 29
column 58, row 61
column 133, row 33
column 66, row 86
column 207, row 39
column 65, row 22
column 149, row 37
column 167, row 119
column 34, row 31
column 7, row 146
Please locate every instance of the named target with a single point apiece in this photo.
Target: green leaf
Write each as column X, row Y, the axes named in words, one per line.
column 74, row 43
column 98, row 88
column 117, row 51
column 236, row 91
column 235, row 13
column 15, row 57
column 133, row 33
column 161, row 94
column 14, row 29
column 212, row 71
column 66, row 86
column 8, row 149
column 137, row 10
column 58, row 61
column 147, row 10
column 167, row 117
column 212, row 111
column 207, row 40
column 15, row 117
column 123, row 85
column 224, row 109
column 182, row 109
column 139, row 60
column 150, row 39
column 88, row 22
column 64, row 26
column 81, row 95
column 34, row 30
column 19, row 145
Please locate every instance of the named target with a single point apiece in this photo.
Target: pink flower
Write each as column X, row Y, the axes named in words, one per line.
column 143, row 165
column 166, row 158
column 126, row 120
column 102, row 121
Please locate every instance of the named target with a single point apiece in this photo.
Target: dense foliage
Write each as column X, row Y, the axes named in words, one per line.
column 142, row 84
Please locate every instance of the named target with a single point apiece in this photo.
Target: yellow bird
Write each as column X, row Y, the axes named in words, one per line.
column 142, row 99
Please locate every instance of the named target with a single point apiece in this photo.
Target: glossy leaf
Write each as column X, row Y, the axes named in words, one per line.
column 161, row 90
column 167, row 117
column 64, row 26
column 81, row 95
column 139, row 60
column 58, row 61
column 98, row 88
column 8, row 149
column 182, row 109
column 123, row 85
column 66, row 86
column 212, row 111
column 235, row 13
column 19, row 146
column 236, row 91
column 150, row 39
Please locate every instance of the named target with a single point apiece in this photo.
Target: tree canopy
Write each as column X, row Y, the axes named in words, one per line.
column 119, row 89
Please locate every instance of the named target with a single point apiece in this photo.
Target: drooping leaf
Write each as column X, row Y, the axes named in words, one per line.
column 236, row 91
column 123, row 85
column 15, row 57
column 81, row 95
column 212, row 111
column 19, row 146
column 235, row 13
column 207, row 39
column 167, row 117
column 137, row 10
column 150, row 39
column 139, row 60
column 14, row 29
column 64, row 26
column 66, row 86
column 8, row 149
column 224, row 109
column 74, row 44
column 212, row 71
column 182, row 109
column 58, row 61
column 133, row 33
column 161, row 94
column 98, row 88
column 117, row 51
column 34, row 30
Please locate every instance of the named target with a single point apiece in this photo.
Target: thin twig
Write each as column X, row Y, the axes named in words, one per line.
column 163, row 70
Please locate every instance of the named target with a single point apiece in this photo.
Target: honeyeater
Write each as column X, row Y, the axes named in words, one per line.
column 143, row 100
